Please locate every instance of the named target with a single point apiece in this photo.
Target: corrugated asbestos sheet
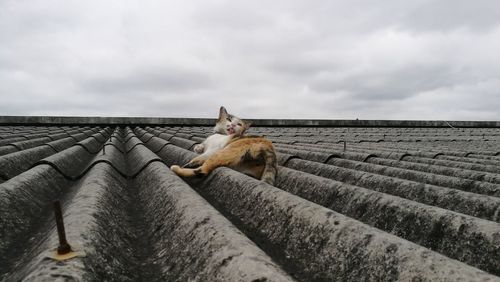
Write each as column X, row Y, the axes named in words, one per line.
column 353, row 204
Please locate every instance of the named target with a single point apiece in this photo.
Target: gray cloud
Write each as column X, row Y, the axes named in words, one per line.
column 262, row 59
column 394, row 84
column 146, row 80
column 449, row 15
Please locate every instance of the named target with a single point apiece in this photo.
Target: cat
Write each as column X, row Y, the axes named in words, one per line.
column 230, row 147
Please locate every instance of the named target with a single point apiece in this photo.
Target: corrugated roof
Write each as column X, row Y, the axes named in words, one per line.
column 349, row 203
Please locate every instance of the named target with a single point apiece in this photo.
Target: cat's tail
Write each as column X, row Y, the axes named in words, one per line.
column 271, row 167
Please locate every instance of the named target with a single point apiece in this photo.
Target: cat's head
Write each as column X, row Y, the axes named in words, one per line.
column 229, row 124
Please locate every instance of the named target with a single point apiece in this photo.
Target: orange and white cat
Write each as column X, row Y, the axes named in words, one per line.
column 229, row 147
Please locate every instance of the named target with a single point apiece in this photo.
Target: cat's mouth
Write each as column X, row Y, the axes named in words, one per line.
column 231, row 130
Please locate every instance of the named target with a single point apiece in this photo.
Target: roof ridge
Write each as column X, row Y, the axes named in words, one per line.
column 131, row 121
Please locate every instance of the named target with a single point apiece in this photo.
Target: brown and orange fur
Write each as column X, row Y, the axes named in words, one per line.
column 251, row 155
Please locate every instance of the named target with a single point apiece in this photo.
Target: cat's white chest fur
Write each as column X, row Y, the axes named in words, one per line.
column 215, row 142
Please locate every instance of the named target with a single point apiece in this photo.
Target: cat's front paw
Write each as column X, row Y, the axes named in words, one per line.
column 199, row 148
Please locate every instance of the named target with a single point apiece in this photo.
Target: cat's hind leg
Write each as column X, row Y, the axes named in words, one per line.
column 229, row 157
column 196, row 162
column 186, row 172
column 192, row 168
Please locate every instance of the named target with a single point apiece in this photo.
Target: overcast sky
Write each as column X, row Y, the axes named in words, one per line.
column 326, row 59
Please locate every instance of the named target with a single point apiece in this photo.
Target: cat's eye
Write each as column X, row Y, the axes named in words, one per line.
column 239, row 124
column 229, row 119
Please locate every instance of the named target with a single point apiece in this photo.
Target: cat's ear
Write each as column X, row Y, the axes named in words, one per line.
column 246, row 126
column 222, row 112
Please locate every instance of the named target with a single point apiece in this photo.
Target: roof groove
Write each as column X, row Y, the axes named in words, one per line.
column 87, row 213
column 478, row 205
column 386, row 227
column 205, row 187
column 408, row 219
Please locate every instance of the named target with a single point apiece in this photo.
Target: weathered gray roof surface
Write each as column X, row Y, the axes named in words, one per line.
column 389, row 203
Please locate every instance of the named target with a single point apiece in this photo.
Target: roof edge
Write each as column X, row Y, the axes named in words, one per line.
column 75, row 120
